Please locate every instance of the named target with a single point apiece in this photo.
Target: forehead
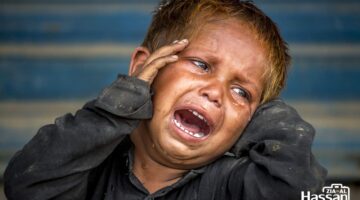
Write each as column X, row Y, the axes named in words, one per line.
column 228, row 39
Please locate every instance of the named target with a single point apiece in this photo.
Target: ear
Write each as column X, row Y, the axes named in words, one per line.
column 138, row 59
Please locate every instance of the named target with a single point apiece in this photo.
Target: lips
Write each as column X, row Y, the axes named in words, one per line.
column 192, row 122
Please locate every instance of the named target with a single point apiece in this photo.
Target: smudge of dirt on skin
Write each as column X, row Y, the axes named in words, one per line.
column 275, row 147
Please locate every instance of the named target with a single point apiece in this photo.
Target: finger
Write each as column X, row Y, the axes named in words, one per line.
column 167, row 50
column 150, row 71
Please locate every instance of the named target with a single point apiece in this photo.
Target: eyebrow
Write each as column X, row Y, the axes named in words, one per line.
column 209, row 55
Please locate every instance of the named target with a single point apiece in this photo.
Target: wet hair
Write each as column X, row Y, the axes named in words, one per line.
column 177, row 19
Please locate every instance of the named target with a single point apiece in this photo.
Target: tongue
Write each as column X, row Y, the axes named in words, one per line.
column 188, row 121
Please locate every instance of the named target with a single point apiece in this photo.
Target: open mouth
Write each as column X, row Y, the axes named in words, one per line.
column 192, row 123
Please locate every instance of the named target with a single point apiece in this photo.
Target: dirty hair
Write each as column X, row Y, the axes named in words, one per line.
column 177, row 19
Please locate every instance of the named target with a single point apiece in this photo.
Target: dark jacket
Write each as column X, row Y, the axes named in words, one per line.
column 88, row 156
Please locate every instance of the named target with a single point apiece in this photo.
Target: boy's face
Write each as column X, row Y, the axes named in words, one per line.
column 203, row 102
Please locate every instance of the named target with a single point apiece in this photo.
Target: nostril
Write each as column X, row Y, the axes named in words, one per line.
column 212, row 99
column 213, row 91
column 217, row 103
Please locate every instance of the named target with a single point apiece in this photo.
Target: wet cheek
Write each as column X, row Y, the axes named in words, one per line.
column 169, row 89
column 238, row 107
column 238, row 118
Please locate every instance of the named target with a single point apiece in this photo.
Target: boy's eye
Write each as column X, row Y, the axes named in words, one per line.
column 241, row 92
column 201, row 64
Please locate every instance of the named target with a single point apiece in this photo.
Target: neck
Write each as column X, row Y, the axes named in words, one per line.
column 152, row 174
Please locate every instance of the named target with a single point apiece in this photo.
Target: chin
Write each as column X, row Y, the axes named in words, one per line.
column 181, row 154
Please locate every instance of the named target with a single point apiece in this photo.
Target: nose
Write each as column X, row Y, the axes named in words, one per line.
column 213, row 92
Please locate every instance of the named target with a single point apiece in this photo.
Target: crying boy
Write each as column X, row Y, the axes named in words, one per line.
column 197, row 118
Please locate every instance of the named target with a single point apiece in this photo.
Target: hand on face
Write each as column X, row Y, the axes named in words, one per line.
column 159, row 59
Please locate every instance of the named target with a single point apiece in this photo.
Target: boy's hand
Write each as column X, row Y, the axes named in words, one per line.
column 159, row 59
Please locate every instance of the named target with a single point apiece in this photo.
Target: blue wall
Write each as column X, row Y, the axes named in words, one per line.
column 59, row 51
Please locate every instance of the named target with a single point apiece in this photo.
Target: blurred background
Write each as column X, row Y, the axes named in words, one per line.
column 57, row 54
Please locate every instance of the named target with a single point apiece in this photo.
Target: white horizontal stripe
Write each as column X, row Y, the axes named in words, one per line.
column 40, row 108
column 325, row 49
column 327, row 107
column 67, row 50
column 330, row 115
column 125, row 50
column 29, row 116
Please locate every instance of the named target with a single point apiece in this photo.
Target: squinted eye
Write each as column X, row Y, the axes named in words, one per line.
column 201, row 64
column 241, row 92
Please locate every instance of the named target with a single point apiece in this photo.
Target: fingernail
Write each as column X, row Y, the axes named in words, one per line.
column 174, row 57
column 184, row 41
column 176, row 41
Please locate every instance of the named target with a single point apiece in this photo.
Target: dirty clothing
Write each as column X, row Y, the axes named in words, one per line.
column 89, row 156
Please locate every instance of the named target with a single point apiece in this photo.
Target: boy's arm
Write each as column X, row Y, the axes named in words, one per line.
column 280, row 164
column 57, row 161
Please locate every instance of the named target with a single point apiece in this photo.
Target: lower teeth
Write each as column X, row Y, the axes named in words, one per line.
column 197, row 135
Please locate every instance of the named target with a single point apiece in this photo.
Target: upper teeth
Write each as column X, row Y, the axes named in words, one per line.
column 198, row 115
